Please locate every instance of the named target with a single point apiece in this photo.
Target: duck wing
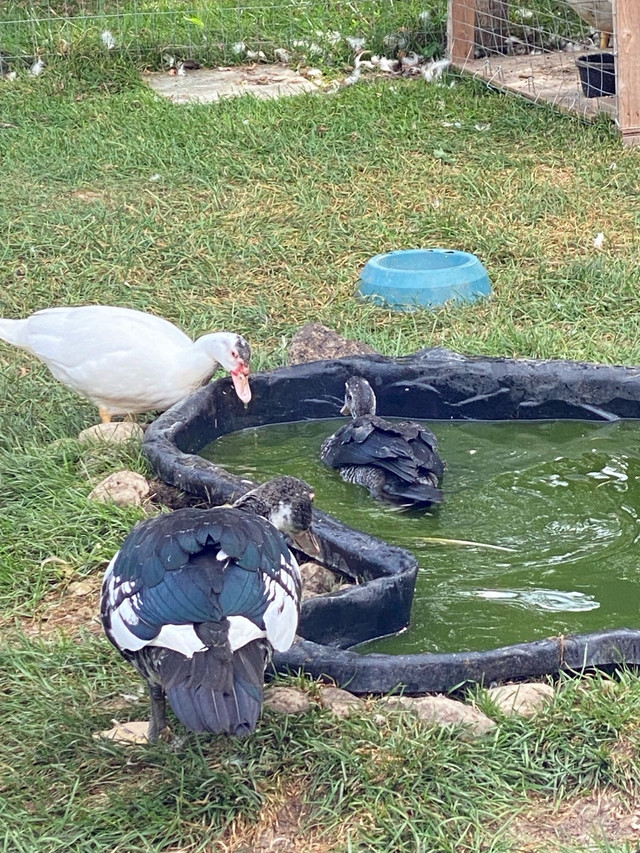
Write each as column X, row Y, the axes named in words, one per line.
column 198, row 566
column 113, row 356
column 423, row 444
column 70, row 335
column 373, row 441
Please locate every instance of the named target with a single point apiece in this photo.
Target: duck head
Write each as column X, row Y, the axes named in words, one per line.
column 359, row 398
column 233, row 353
column 287, row 503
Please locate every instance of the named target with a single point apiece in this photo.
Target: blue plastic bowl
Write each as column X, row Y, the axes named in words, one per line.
column 423, row 278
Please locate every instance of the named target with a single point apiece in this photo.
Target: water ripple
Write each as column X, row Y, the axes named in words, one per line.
column 553, row 600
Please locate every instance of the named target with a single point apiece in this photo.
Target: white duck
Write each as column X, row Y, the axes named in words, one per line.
column 127, row 361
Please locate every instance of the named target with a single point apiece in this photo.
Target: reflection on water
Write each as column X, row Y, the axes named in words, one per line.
column 541, row 599
column 538, row 535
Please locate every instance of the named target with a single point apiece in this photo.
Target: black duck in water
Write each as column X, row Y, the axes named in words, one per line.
column 396, row 462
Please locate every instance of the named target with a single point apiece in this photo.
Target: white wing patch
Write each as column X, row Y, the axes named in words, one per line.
column 180, row 638
column 243, row 631
column 109, row 580
column 121, row 634
column 281, row 615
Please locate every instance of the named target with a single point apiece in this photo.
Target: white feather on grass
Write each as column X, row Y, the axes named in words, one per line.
column 355, row 42
column 256, row 56
column 433, row 72
column 108, row 40
column 283, row 56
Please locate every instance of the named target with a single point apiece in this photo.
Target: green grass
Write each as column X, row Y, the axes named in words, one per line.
column 373, row 786
column 151, row 29
column 258, row 216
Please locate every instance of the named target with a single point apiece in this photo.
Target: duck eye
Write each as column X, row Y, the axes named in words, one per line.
column 234, row 353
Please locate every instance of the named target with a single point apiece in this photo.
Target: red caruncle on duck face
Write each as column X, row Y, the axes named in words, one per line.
column 241, row 356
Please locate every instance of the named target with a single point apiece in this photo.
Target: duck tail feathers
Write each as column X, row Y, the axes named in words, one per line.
column 231, row 704
column 10, row 331
column 414, row 493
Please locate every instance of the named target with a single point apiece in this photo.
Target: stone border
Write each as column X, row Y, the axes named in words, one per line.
column 432, row 383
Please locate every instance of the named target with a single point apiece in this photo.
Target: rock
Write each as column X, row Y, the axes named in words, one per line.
column 286, row 700
column 124, row 488
column 441, row 709
column 340, row 702
column 523, row 699
column 444, row 712
column 395, row 703
column 315, row 342
column 81, row 588
column 316, row 580
column 116, row 431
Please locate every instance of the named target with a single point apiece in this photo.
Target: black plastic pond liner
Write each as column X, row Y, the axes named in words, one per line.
column 439, row 673
column 435, row 384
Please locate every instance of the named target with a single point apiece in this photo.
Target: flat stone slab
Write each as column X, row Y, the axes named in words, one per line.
column 205, row 85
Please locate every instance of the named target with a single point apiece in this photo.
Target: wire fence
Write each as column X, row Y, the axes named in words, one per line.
column 219, row 31
column 546, row 50
column 534, row 27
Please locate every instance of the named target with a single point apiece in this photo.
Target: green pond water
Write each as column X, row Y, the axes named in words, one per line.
column 561, row 498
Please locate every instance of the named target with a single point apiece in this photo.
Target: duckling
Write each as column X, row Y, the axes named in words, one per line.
column 396, row 462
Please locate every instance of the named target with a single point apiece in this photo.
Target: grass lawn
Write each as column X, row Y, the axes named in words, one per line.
column 257, row 216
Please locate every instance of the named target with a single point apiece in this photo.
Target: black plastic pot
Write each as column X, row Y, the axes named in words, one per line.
column 430, row 384
column 597, row 74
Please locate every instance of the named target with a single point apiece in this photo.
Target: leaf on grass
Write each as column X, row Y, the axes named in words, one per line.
column 135, row 731
column 441, row 154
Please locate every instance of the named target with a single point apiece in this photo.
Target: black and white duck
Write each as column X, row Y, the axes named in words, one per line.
column 396, row 462
column 197, row 599
column 127, row 361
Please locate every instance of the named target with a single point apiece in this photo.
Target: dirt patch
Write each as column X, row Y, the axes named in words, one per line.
column 283, row 826
column 603, row 816
column 163, row 495
column 71, row 611
column 90, row 196
column 210, row 84
column 554, row 175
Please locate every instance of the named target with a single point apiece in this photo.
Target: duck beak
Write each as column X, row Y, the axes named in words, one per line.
column 345, row 410
column 306, row 541
column 240, row 379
